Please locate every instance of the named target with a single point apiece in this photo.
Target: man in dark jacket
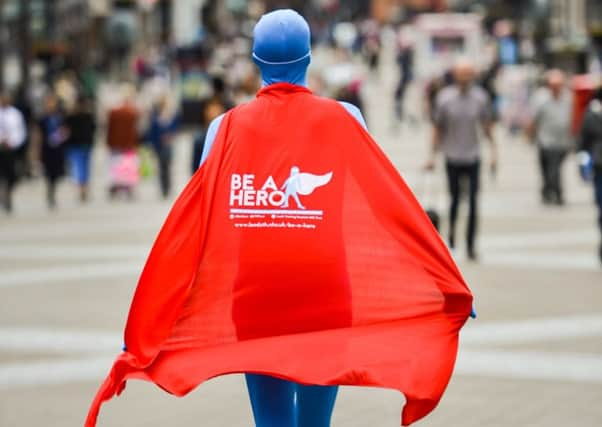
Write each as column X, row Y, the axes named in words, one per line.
column 590, row 142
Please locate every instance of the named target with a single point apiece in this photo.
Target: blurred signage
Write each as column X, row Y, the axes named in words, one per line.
column 440, row 39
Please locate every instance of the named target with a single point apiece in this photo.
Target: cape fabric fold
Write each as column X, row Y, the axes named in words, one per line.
column 265, row 266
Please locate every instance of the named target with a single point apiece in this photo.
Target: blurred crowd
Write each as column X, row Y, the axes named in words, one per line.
column 169, row 91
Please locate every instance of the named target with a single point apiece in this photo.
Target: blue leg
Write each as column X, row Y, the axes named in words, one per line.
column 272, row 400
column 315, row 405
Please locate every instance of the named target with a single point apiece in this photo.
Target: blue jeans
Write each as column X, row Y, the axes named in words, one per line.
column 281, row 403
column 79, row 160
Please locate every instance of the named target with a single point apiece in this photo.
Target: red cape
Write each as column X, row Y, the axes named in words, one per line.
column 237, row 282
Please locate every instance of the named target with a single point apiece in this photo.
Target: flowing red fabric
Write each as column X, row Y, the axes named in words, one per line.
column 296, row 251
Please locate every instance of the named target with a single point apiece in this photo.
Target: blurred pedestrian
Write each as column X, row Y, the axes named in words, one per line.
column 432, row 90
column 162, row 127
column 219, row 103
column 550, row 130
column 489, row 83
column 53, row 135
column 590, row 144
column 123, row 141
column 23, row 104
column 66, row 89
column 221, row 94
column 371, row 43
column 211, row 110
column 12, row 137
column 405, row 63
column 81, row 126
column 351, row 93
column 462, row 112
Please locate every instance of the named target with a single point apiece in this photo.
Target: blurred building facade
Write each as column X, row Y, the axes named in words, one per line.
column 566, row 33
column 77, row 34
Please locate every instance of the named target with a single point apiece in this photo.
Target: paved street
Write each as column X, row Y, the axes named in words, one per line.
column 532, row 358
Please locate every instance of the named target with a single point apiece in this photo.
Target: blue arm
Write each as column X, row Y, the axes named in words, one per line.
column 355, row 112
column 210, row 137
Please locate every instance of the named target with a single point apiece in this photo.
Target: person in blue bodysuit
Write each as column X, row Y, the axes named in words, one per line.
column 281, row 50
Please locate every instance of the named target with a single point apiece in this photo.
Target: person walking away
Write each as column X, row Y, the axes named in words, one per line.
column 163, row 125
column 12, row 137
column 462, row 113
column 590, row 144
column 81, row 126
column 122, row 140
column 550, row 131
column 53, row 135
column 211, row 300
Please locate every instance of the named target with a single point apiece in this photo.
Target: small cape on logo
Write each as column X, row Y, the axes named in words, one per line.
column 302, row 183
column 308, row 182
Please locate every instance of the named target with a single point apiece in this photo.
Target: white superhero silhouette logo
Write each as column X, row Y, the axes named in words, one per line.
column 302, row 183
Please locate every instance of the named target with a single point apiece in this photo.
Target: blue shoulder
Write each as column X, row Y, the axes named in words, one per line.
column 355, row 112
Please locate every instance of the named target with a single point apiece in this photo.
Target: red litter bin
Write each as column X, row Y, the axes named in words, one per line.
column 584, row 86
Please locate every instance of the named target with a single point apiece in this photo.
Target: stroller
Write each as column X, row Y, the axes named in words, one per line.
column 124, row 173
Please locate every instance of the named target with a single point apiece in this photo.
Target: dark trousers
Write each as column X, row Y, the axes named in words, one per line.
column 598, row 192
column 550, row 162
column 164, row 156
column 399, row 96
column 51, row 183
column 462, row 176
column 8, row 177
column 23, row 166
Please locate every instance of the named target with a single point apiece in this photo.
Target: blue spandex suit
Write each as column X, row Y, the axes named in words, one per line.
column 281, row 49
